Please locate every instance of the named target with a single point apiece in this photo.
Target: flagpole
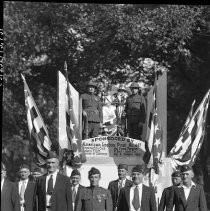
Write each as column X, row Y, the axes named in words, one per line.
column 24, row 80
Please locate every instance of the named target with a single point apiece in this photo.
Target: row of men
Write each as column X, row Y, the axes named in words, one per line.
column 56, row 192
column 135, row 111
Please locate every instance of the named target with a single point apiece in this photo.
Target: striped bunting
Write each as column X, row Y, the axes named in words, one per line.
column 38, row 133
column 190, row 140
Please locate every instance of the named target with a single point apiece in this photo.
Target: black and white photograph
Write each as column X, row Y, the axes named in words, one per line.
column 105, row 107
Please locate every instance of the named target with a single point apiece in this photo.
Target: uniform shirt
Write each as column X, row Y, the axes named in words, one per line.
column 132, row 195
column 92, row 105
column 48, row 197
column 187, row 189
column 95, row 199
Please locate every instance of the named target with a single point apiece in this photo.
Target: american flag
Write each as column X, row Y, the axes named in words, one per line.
column 188, row 119
column 190, row 141
column 154, row 144
column 37, row 130
column 73, row 135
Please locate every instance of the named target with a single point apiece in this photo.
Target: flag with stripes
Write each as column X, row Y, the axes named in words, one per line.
column 38, row 132
column 74, row 138
column 154, row 144
column 188, row 118
column 190, row 141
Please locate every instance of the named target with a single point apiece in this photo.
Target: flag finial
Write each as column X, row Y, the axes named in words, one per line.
column 65, row 66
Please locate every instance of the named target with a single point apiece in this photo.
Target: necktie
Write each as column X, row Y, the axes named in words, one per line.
column 50, row 185
column 120, row 186
column 22, row 190
column 73, row 194
column 135, row 201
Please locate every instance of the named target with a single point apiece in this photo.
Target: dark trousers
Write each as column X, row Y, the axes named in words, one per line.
column 93, row 129
column 134, row 131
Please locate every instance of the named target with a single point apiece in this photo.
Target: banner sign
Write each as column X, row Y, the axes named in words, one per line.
column 113, row 146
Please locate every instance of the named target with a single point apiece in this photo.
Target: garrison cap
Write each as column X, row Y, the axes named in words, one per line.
column 75, row 172
column 91, row 83
column 123, row 166
column 37, row 170
column 3, row 167
column 138, row 168
column 52, row 154
column 185, row 168
column 93, row 171
column 134, row 85
column 176, row 174
column 24, row 166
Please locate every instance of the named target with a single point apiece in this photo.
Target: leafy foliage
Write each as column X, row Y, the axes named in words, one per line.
column 102, row 42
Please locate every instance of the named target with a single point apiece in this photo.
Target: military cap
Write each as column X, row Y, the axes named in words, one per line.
column 122, row 87
column 75, row 172
column 138, row 168
column 176, row 174
column 93, row 171
column 3, row 167
column 185, row 168
column 123, row 166
column 37, row 170
column 91, row 83
column 24, row 166
column 134, row 85
column 52, row 154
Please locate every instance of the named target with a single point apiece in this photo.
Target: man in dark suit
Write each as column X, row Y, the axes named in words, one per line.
column 91, row 111
column 167, row 194
column 138, row 196
column 190, row 196
column 75, row 187
column 94, row 198
column 9, row 193
column 26, row 189
column 53, row 189
column 116, row 185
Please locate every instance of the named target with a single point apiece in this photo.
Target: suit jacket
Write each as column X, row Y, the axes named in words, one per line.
column 113, row 187
column 196, row 200
column 29, row 195
column 166, row 198
column 61, row 198
column 9, row 197
column 148, row 202
column 77, row 196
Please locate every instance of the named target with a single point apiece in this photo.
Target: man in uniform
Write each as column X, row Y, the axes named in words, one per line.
column 92, row 112
column 9, row 193
column 26, row 189
column 138, row 196
column 189, row 196
column 135, row 110
column 167, row 194
column 116, row 185
column 94, row 198
column 75, row 187
column 53, row 189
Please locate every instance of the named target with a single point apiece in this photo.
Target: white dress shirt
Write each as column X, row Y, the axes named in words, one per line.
column 48, row 197
column 20, row 183
column 187, row 189
column 76, row 189
column 132, row 195
column 2, row 183
column 123, row 183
